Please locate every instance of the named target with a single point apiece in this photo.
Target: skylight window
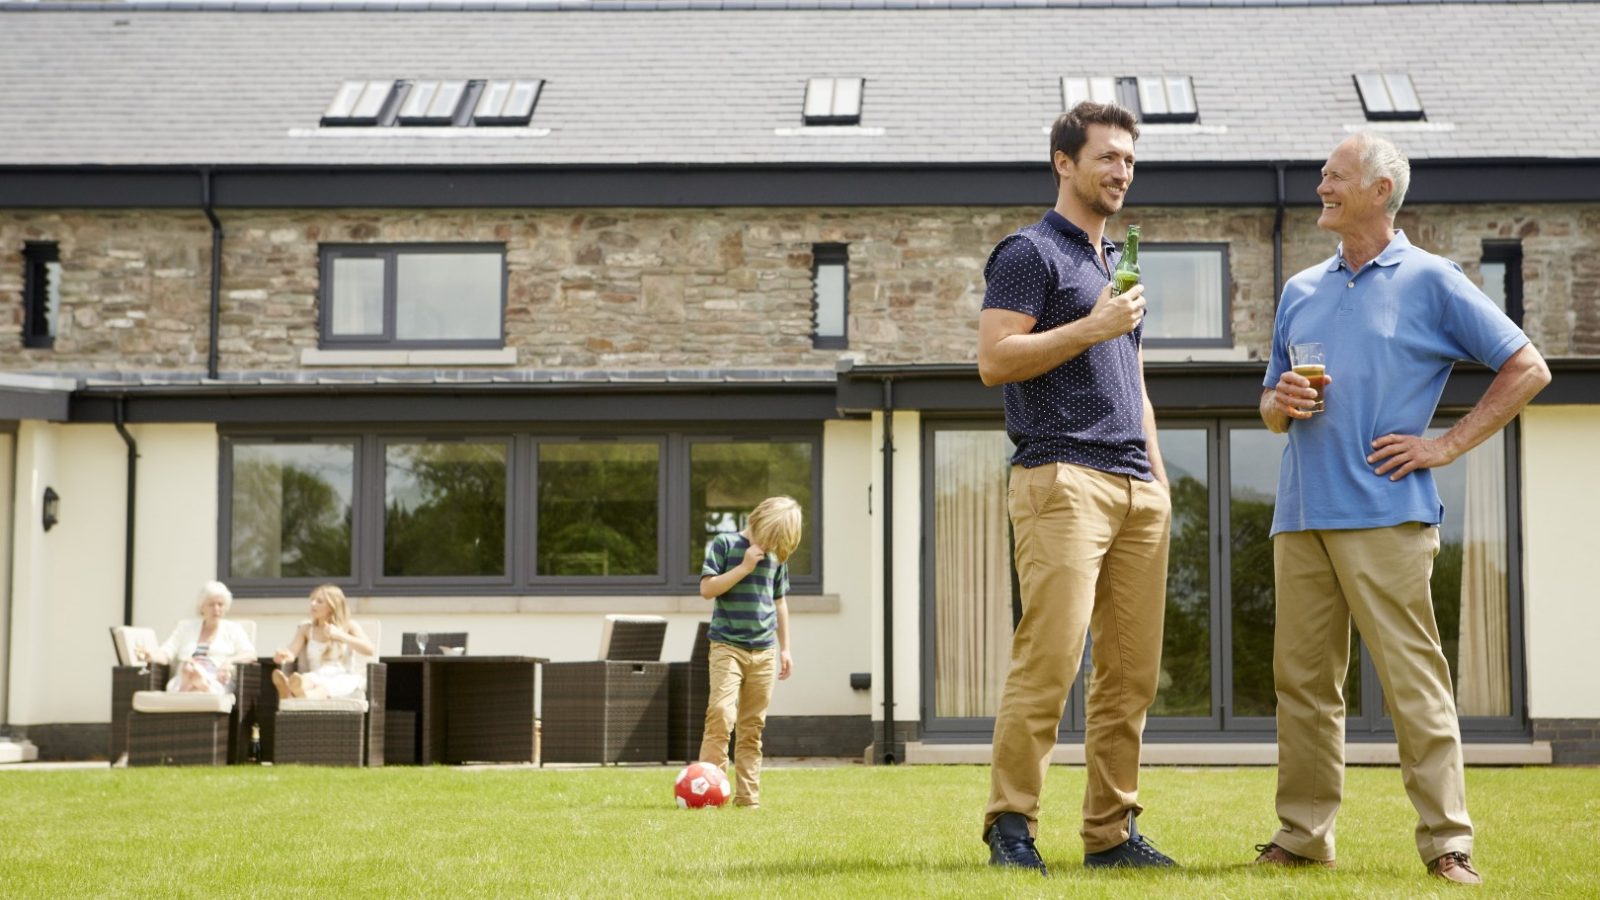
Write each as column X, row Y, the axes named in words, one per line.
column 433, row 103
column 506, row 103
column 1389, row 96
column 359, row 103
column 1152, row 98
column 1101, row 89
column 833, row 101
column 1166, row 98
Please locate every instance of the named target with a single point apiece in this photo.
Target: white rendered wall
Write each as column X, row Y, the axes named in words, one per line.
column 67, row 584
column 176, row 522
column 1561, row 490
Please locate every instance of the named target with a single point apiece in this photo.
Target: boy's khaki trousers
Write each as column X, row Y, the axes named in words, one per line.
column 741, row 690
column 1091, row 554
column 1379, row 577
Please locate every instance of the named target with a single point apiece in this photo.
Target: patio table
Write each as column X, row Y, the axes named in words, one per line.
column 469, row 708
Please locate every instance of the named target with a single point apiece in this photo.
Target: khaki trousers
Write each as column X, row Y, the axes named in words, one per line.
column 1091, row 555
column 1378, row 577
column 741, row 690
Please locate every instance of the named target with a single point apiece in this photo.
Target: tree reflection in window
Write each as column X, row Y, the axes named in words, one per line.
column 599, row 508
column 445, row 509
column 728, row 478
column 291, row 510
column 1185, row 686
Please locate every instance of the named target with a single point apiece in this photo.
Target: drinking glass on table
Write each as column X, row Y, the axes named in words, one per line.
column 1308, row 362
column 422, row 643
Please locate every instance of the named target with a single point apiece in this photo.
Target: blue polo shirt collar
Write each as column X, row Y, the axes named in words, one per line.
column 1063, row 225
column 1391, row 255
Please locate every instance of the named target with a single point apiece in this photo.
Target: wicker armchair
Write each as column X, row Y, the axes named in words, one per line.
column 152, row 727
column 613, row 709
column 688, row 692
column 344, row 732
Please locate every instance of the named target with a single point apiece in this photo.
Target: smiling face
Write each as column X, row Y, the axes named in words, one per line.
column 1098, row 180
column 1348, row 207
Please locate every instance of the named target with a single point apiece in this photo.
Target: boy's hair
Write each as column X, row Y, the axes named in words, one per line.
column 775, row 525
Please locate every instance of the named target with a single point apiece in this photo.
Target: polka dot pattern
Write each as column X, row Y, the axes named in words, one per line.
column 1088, row 411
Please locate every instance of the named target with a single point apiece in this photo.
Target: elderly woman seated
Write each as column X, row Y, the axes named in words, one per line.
column 326, row 650
column 203, row 651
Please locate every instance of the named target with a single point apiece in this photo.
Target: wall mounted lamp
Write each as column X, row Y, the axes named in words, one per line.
column 52, row 508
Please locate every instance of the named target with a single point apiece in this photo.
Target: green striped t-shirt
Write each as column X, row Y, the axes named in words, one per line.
column 746, row 615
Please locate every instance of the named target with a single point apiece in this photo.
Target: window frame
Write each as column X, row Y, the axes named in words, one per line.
column 1225, row 249
column 242, row 585
column 389, row 254
column 1508, row 254
column 368, row 513
column 827, row 255
column 37, row 256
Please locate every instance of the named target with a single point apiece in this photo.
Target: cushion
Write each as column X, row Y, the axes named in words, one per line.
column 635, row 638
column 305, row 704
column 193, row 702
column 126, row 637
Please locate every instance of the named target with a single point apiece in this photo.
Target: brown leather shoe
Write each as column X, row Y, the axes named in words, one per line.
column 1456, row 867
column 1274, row 855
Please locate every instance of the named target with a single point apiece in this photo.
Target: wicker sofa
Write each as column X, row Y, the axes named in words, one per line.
column 613, row 709
column 344, row 732
column 150, row 727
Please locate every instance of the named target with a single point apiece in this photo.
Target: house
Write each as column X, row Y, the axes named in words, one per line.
column 492, row 313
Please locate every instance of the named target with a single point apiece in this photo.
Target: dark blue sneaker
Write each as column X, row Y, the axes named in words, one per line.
column 1011, row 845
column 1133, row 853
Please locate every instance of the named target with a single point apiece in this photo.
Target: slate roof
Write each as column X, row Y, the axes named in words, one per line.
column 950, row 83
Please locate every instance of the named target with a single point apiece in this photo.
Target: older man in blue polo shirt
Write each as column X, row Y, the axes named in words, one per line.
column 1356, row 526
column 1088, row 499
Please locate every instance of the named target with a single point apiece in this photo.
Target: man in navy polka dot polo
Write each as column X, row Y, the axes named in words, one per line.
column 1088, row 499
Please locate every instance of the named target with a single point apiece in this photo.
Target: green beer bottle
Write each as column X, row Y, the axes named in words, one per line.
column 1127, row 273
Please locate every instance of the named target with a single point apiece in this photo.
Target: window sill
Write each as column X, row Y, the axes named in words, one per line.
column 505, row 356
column 656, row 604
column 1196, row 354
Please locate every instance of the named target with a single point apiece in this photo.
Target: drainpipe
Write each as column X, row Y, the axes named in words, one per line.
column 888, row 572
column 1277, row 239
column 212, row 354
column 133, row 472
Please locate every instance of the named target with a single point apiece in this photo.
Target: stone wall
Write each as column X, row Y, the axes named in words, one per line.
column 624, row 289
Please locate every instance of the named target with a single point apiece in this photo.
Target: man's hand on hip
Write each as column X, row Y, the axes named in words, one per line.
column 1403, row 454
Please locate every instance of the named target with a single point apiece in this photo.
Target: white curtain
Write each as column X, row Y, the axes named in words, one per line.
column 1483, row 673
column 972, row 571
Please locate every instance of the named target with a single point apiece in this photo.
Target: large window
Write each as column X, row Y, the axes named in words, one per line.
column 487, row 513
column 423, row 295
column 1216, row 666
column 290, row 511
column 1188, row 289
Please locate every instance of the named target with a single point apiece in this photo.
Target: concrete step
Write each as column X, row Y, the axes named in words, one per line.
column 15, row 751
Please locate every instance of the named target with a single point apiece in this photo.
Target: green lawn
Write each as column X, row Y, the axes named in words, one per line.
column 841, row 832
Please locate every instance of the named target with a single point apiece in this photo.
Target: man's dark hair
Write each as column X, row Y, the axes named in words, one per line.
column 1071, row 130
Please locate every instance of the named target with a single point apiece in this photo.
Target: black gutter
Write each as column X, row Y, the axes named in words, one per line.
column 887, row 755
column 127, row 549
column 208, row 202
column 1247, row 183
column 1277, row 239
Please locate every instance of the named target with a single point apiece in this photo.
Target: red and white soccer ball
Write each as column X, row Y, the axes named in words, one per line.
column 701, row 784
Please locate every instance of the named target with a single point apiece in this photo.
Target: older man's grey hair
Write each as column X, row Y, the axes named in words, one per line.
column 1380, row 158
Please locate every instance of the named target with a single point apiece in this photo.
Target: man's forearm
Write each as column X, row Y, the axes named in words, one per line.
column 1518, row 381
column 1158, row 467
column 1019, row 357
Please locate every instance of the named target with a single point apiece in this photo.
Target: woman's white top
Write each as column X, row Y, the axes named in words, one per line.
column 228, row 642
column 333, row 665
